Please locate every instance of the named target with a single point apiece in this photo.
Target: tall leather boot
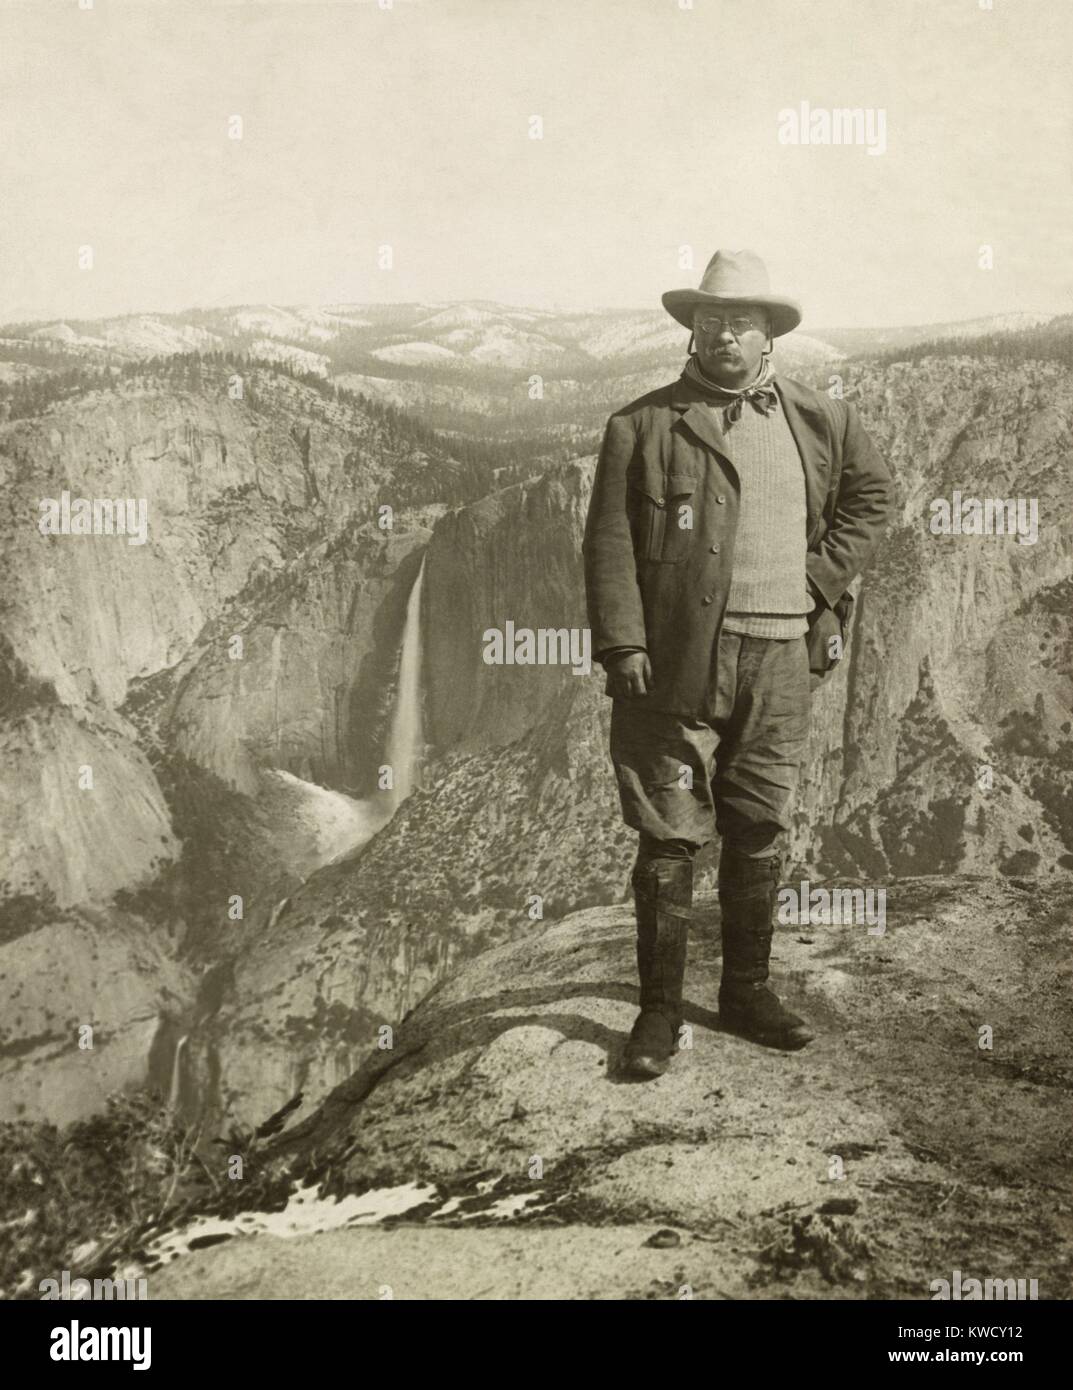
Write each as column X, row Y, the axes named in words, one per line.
column 663, row 895
column 747, row 1004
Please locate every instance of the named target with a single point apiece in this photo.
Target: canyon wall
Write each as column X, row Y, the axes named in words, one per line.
column 182, row 720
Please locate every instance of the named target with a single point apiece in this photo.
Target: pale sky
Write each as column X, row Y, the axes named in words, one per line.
column 409, row 126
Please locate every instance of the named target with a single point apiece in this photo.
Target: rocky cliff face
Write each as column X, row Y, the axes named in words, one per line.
column 944, row 741
column 513, row 557
column 220, row 777
column 156, row 697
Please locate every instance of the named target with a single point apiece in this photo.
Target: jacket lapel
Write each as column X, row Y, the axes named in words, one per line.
column 700, row 419
column 808, row 425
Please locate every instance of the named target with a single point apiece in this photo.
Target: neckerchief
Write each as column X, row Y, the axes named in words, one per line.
column 760, row 394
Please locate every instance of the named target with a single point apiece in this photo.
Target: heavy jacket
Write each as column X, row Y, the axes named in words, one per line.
column 659, row 537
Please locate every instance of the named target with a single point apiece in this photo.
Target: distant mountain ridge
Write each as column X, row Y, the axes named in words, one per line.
column 459, row 337
column 533, row 385
column 854, row 341
column 459, row 334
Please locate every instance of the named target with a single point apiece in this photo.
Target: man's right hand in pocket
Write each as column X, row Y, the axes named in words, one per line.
column 629, row 675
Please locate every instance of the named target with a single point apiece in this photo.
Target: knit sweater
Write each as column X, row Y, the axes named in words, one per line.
column 769, row 594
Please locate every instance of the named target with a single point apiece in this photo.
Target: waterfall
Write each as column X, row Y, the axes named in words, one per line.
column 176, row 1074
column 332, row 826
column 406, row 739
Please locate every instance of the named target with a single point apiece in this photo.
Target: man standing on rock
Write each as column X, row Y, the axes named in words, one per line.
column 730, row 512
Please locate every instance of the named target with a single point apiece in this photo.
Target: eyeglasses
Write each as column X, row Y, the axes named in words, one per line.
column 739, row 325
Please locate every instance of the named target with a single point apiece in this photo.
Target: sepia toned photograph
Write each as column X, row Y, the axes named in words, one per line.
column 536, row 663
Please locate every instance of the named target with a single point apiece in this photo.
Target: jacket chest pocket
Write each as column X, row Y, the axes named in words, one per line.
column 665, row 520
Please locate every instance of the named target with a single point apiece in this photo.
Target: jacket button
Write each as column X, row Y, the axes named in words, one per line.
column 715, row 550
column 660, row 501
column 706, row 599
column 720, row 499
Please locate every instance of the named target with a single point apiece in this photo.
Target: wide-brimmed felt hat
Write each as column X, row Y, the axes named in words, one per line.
column 735, row 277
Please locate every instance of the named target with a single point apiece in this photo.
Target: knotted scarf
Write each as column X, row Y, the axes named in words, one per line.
column 760, row 394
